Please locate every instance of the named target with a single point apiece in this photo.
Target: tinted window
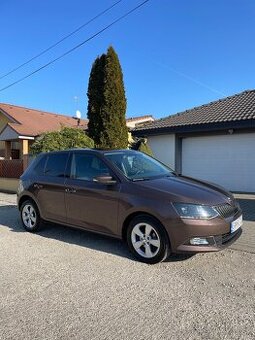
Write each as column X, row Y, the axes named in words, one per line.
column 56, row 165
column 39, row 168
column 86, row 167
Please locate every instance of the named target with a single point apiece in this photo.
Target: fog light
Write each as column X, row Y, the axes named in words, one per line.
column 197, row 241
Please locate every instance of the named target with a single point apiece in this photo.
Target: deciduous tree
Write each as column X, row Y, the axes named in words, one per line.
column 66, row 138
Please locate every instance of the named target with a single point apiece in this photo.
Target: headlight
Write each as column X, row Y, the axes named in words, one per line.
column 195, row 211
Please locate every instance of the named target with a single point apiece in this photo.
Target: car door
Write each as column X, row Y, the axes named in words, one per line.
column 49, row 187
column 90, row 204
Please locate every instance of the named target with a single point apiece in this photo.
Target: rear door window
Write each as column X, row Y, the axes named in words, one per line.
column 56, row 165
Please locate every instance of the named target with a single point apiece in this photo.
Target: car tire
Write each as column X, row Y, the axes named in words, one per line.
column 30, row 216
column 147, row 239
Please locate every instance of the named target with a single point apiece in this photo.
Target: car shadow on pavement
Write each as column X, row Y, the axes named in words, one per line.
column 94, row 241
column 248, row 208
column 179, row 257
column 85, row 239
column 9, row 217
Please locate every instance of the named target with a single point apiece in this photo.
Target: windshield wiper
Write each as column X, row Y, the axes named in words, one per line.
column 140, row 179
column 172, row 174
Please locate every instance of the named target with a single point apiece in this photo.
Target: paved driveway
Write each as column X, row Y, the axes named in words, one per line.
column 247, row 241
column 69, row 284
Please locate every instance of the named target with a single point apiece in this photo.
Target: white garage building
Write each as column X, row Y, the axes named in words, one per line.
column 214, row 142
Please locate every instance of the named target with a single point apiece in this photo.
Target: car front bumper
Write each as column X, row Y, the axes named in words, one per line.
column 216, row 243
column 216, row 232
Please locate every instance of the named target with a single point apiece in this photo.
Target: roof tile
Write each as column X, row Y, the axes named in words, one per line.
column 30, row 122
column 237, row 107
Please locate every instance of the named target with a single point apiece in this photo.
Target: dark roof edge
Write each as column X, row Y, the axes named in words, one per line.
column 241, row 124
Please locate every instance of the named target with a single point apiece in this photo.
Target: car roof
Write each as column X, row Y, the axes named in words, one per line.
column 100, row 151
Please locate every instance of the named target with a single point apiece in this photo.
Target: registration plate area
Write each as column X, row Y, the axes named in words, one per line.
column 236, row 224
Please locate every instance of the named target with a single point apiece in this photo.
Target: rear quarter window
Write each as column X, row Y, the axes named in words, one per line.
column 39, row 167
column 56, row 165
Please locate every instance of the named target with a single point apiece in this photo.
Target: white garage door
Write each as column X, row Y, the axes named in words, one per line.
column 228, row 160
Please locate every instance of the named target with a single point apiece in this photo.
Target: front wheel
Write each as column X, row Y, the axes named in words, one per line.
column 30, row 216
column 147, row 239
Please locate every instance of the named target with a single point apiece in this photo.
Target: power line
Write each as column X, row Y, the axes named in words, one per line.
column 76, row 47
column 61, row 40
column 196, row 81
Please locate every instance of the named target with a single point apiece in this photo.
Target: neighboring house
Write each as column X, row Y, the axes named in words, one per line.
column 19, row 126
column 213, row 142
column 136, row 121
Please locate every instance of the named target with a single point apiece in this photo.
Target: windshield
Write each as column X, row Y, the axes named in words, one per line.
column 137, row 165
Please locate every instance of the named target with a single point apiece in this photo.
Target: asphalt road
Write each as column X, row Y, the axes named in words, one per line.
column 69, row 284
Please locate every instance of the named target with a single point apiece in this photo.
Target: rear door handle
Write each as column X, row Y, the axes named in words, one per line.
column 38, row 186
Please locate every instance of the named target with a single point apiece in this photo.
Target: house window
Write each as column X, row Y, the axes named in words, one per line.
column 15, row 154
column 15, row 150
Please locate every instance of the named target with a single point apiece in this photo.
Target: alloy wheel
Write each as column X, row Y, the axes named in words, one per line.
column 29, row 216
column 145, row 240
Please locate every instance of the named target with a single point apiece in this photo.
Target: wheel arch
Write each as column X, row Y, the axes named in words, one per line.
column 131, row 216
column 27, row 197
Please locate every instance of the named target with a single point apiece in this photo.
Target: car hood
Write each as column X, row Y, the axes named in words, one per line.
column 188, row 190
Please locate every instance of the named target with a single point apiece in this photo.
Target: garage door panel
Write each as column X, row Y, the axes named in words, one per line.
column 228, row 160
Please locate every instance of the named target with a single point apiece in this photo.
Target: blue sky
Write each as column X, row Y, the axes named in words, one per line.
column 175, row 54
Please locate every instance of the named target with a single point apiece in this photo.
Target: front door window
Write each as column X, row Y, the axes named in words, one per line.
column 87, row 167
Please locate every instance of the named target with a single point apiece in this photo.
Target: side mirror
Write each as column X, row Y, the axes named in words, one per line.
column 104, row 179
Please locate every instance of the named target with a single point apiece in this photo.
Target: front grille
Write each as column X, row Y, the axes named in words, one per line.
column 226, row 210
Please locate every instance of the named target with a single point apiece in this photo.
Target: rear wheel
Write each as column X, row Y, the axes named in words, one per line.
column 147, row 239
column 30, row 216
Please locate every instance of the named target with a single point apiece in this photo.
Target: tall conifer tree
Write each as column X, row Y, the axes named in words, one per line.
column 107, row 103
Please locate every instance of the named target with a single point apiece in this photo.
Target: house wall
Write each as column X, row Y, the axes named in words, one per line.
column 163, row 148
column 3, row 122
column 133, row 123
column 9, row 185
column 220, row 157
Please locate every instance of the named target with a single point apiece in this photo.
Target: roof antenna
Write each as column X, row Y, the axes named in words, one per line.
column 78, row 113
column 78, row 117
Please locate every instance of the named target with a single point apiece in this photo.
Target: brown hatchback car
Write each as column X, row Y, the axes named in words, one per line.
column 129, row 195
